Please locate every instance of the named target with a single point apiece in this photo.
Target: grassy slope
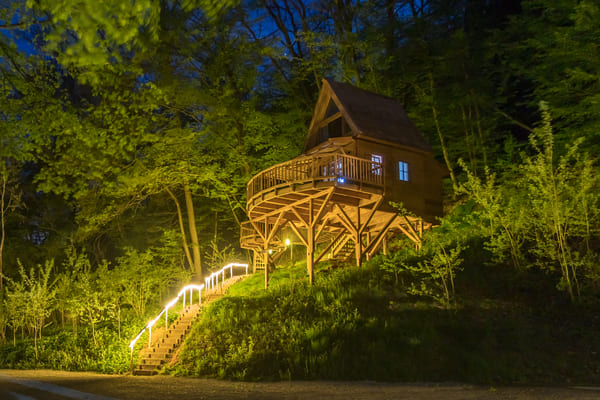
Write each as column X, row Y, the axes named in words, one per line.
column 358, row 324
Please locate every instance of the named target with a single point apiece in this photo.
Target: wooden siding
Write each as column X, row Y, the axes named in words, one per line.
column 422, row 193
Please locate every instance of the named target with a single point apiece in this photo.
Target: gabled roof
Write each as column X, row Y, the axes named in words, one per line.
column 368, row 115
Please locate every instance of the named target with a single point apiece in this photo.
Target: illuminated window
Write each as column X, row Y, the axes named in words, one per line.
column 403, row 171
column 376, row 168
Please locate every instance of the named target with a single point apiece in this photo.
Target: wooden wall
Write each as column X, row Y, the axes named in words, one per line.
column 422, row 194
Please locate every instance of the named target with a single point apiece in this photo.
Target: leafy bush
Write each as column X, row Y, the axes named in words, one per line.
column 545, row 213
column 105, row 305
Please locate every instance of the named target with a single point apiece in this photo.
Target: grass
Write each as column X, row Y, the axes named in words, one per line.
column 359, row 324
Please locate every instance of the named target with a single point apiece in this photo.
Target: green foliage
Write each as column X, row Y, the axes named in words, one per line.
column 104, row 304
column 357, row 324
column 429, row 271
column 499, row 215
column 216, row 258
column 60, row 349
column 4, row 318
column 563, row 205
column 545, row 216
column 30, row 300
column 556, row 52
column 145, row 275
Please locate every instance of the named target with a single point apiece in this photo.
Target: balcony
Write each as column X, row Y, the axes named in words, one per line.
column 319, row 171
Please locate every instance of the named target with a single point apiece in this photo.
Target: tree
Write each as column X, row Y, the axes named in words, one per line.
column 562, row 203
column 499, row 214
column 548, row 54
column 31, row 300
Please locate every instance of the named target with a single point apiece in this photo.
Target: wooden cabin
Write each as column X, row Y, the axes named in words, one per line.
column 361, row 153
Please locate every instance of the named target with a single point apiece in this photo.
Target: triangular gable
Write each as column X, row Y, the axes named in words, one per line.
column 328, row 106
column 367, row 114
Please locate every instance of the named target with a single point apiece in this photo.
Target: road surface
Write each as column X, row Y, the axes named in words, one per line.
column 60, row 385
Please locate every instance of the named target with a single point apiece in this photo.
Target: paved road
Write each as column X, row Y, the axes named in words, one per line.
column 59, row 385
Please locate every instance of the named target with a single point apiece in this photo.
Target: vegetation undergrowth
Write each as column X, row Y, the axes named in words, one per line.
column 74, row 317
column 360, row 323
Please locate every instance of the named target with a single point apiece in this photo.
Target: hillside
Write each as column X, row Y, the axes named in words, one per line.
column 360, row 324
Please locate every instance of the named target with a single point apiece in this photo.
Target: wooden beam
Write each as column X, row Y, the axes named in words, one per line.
column 330, row 119
column 375, row 243
column 322, row 208
column 275, row 228
column 266, row 254
column 298, row 202
column 346, row 219
column 412, row 228
column 345, row 224
column 371, row 213
column 310, row 244
column 358, row 239
column 300, row 217
column 407, row 233
column 297, row 232
column 323, row 225
column 330, row 245
column 310, row 255
column 258, row 230
column 277, row 255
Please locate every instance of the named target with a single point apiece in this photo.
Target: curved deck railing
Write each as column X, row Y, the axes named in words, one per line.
column 338, row 168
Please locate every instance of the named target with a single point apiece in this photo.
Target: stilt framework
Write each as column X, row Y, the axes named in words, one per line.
column 330, row 203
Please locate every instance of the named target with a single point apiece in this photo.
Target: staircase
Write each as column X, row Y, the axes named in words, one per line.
column 153, row 358
column 343, row 249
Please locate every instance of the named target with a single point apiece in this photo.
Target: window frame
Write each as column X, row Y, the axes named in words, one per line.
column 376, row 158
column 403, row 171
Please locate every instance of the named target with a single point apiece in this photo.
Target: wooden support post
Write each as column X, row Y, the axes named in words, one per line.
column 310, row 253
column 310, row 244
column 358, row 247
column 266, row 263
column 385, row 245
column 368, row 243
column 266, row 253
column 420, row 233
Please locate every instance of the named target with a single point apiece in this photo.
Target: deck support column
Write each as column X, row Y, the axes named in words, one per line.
column 266, row 253
column 310, row 253
column 266, row 261
column 358, row 240
column 385, row 245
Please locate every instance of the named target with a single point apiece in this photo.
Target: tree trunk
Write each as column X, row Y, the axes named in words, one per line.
column 193, row 233
column 182, row 229
column 2, row 194
column 441, row 137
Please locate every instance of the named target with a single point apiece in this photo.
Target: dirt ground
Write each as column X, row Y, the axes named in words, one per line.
column 44, row 384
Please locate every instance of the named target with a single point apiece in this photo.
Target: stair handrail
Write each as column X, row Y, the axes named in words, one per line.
column 210, row 282
column 213, row 279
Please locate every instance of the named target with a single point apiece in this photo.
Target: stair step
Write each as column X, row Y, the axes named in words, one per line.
column 158, row 354
column 155, row 364
column 142, row 372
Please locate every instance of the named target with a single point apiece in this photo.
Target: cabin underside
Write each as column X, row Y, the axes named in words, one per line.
column 331, row 204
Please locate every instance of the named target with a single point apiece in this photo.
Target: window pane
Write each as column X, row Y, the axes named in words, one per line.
column 403, row 171
column 376, row 168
